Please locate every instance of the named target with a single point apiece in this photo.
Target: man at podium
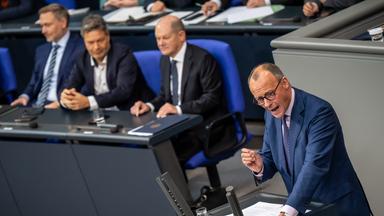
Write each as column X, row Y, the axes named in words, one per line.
column 303, row 141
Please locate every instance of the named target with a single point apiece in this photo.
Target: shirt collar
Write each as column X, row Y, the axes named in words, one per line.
column 288, row 112
column 94, row 63
column 63, row 40
column 181, row 54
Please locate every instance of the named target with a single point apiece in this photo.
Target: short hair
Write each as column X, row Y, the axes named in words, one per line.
column 93, row 22
column 272, row 68
column 177, row 25
column 59, row 11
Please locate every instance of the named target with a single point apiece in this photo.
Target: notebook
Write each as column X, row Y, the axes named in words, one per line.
column 157, row 125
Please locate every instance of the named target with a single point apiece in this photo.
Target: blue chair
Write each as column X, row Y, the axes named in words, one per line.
column 149, row 62
column 8, row 82
column 222, row 52
column 69, row 4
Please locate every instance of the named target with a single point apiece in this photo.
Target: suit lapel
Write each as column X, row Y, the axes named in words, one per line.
column 187, row 67
column 68, row 51
column 167, row 78
column 295, row 125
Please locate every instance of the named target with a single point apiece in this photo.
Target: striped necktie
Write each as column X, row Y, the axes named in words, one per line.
column 175, row 83
column 42, row 97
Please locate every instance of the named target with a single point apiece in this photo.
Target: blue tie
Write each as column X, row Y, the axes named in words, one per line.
column 175, row 83
column 43, row 94
column 285, row 139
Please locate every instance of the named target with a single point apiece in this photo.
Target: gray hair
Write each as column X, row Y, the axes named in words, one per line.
column 93, row 22
column 272, row 68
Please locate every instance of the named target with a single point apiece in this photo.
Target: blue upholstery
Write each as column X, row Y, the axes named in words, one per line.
column 149, row 62
column 7, row 75
column 69, row 4
column 232, row 88
column 222, row 52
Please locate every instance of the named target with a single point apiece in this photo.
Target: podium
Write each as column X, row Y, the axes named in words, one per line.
column 317, row 209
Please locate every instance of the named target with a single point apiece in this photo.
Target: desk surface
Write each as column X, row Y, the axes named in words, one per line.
column 62, row 124
column 27, row 26
column 257, row 196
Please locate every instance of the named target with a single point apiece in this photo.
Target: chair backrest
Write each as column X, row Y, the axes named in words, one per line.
column 7, row 74
column 222, row 52
column 69, row 4
column 149, row 62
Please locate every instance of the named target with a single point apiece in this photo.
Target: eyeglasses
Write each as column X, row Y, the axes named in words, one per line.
column 271, row 95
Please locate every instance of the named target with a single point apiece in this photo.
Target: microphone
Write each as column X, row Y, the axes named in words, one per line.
column 233, row 202
column 19, row 124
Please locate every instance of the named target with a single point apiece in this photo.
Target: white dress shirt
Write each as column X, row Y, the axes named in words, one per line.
column 179, row 58
column 100, row 82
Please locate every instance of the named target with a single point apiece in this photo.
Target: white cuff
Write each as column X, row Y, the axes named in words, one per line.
column 289, row 211
column 149, row 7
column 218, row 2
column 25, row 96
column 260, row 174
column 92, row 103
column 267, row 2
column 179, row 111
column 151, row 106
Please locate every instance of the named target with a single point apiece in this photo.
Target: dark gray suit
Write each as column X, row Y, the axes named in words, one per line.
column 201, row 93
column 124, row 78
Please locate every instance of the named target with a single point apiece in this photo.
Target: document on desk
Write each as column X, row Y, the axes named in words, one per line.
column 262, row 208
column 179, row 14
column 242, row 13
column 155, row 126
column 125, row 14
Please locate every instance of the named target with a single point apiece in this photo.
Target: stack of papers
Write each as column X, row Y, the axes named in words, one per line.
column 242, row 13
column 125, row 14
column 179, row 14
column 262, row 208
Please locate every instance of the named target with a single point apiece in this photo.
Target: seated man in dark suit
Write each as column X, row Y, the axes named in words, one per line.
column 106, row 75
column 208, row 6
column 191, row 84
column 53, row 60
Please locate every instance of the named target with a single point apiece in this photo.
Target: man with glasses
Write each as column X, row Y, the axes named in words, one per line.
column 303, row 141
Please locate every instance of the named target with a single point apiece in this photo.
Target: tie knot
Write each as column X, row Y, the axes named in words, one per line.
column 56, row 46
column 174, row 62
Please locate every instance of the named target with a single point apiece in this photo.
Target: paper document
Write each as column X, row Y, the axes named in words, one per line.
column 262, row 208
column 179, row 14
column 200, row 17
column 125, row 14
column 242, row 13
column 74, row 12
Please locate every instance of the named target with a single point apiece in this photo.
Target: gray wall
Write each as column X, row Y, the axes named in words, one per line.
column 321, row 58
column 353, row 84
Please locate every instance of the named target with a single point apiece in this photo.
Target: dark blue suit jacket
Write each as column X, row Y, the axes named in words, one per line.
column 125, row 80
column 320, row 169
column 74, row 45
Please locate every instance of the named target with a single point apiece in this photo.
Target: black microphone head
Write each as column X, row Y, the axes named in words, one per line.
column 33, row 124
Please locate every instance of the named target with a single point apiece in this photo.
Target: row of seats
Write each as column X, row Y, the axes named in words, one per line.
column 232, row 86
